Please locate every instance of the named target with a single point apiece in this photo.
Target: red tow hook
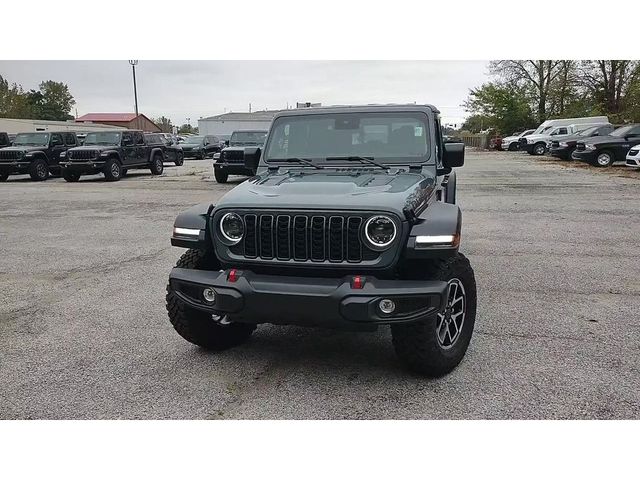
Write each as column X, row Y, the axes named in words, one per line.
column 358, row 282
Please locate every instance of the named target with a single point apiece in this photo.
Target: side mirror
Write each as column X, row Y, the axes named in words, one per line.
column 252, row 159
column 226, row 142
column 453, row 155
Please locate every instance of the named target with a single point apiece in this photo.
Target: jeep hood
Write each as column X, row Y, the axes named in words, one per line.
column 99, row 148
column 347, row 189
column 25, row 148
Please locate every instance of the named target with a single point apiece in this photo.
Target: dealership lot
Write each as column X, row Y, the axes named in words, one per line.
column 84, row 332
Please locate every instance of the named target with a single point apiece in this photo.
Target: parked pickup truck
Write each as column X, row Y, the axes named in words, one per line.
column 538, row 142
column 603, row 151
column 512, row 143
column 36, row 154
column 112, row 153
column 564, row 147
column 236, row 158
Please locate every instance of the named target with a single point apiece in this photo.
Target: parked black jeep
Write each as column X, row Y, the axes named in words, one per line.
column 603, row 151
column 112, row 153
column 239, row 157
column 172, row 151
column 349, row 223
column 35, row 153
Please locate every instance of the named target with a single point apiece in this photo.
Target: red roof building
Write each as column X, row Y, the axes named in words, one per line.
column 124, row 120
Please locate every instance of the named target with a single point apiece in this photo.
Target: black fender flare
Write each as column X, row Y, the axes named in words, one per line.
column 109, row 154
column 153, row 153
column 190, row 229
column 37, row 155
column 436, row 232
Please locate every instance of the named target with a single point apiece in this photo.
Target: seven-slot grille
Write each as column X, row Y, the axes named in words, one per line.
column 10, row 154
column 235, row 156
column 304, row 237
column 82, row 154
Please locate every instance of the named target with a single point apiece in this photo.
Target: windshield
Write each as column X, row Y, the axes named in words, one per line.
column 102, row 138
column 248, row 138
column 528, row 132
column 588, row 132
column 622, row 131
column 194, row 140
column 31, row 139
column 387, row 137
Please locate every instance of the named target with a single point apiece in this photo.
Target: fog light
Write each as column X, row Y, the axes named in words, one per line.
column 209, row 295
column 386, row 305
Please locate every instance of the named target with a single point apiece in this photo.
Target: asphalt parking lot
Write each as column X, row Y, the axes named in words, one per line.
column 84, row 332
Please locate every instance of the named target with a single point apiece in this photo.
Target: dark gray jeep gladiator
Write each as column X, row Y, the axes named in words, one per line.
column 350, row 222
column 112, row 153
column 237, row 158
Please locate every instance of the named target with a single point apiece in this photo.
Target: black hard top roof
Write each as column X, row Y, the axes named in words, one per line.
column 411, row 107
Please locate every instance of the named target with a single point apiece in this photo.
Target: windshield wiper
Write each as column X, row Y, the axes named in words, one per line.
column 304, row 161
column 369, row 160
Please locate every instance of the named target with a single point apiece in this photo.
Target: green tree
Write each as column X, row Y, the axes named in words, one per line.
column 56, row 102
column 502, row 106
column 186, row 128
column 164, row 123
column 13, row 102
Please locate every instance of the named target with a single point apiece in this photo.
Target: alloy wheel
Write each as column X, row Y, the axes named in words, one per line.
column 604, row 159
column 41, row 170
column 451, row 320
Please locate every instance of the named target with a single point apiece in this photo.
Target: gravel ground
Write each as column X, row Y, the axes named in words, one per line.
column 84, row 331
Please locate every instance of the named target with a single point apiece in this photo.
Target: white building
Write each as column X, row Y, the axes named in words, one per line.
column 227, row 123
column 19, row 125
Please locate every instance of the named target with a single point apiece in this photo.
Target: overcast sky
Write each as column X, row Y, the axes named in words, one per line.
column 195, row 89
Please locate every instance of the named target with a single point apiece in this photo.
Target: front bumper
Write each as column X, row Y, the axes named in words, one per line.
column 560, row 152
column 633, row 161
column 232, row 168
column 15, row 167
column 307, row 301
column 88, row 166
column 584, row 155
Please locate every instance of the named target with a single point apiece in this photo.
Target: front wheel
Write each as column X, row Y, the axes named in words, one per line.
column 179, row 159
column 3, row 177
column 513, row 146
column 39, row 170
column 112, row 170
column 604, row 159
column 436, row 345
column 221, row 177
column 209, row 331
column 539, row 149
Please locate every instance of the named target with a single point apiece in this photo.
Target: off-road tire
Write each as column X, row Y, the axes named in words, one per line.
column 202, row 155
column 611, row 156
column 539, row 149
column 197, row 326
column 112, row 170
column 179, row 159
column 417, row 345
column 3, row 177
column 39, row 170
column 513, row 146
column 157, row 164
column 71, row 176
column 221, row 177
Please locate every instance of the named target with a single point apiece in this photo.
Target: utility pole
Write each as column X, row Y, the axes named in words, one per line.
column 133, row 64
column 249, row 107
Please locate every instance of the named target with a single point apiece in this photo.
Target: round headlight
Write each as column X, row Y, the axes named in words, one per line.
column 380, row 231
column 232, row 227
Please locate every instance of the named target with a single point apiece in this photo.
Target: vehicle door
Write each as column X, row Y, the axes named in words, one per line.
column 169, row 149
column 210, row 144
column 129, row 155
column 56, row 147
column 70, row 141
column 142, row 150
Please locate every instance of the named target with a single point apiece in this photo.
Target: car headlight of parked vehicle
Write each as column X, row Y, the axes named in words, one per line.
column 563, row 144
column 231, row 228
column 216, row 156
column 379, row 232
column 589, row 146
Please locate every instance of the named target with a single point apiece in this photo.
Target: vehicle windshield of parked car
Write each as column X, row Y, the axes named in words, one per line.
column 102, row 138
column 386, row 137
column 588, row 132
column 31, row 139
column 623, row 131
column 248, row 138
column 194, row 140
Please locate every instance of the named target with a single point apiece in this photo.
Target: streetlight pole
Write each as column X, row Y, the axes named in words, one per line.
column 133, row 64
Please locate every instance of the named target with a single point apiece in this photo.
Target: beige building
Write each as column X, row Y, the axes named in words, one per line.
column 19, row 125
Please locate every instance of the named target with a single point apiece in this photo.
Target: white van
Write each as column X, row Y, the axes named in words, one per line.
column 536, row 143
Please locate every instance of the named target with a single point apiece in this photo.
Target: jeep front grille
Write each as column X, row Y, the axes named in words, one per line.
column 10, row 155
column 234, row 156
column 82, row 154
column 304, row 238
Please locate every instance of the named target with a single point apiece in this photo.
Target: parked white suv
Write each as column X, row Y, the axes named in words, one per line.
column 633, row 157
column 511, row 143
